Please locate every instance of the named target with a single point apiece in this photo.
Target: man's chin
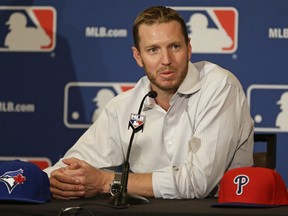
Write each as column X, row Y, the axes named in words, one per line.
column 168, row 86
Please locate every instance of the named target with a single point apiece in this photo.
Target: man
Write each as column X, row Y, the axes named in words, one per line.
column 196, row 128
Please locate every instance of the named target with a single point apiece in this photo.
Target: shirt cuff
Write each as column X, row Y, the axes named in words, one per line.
column 59, row 164
column 163, row 184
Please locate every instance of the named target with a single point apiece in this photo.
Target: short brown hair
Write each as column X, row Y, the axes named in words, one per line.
column 157, row 14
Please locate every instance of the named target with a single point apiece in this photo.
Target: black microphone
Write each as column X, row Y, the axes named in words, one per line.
column 122, row 199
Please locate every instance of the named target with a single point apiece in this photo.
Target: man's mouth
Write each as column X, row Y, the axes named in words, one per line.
column 167, row 73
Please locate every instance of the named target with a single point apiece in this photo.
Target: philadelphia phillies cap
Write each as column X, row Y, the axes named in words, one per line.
column 252, row 187
column 23, row 182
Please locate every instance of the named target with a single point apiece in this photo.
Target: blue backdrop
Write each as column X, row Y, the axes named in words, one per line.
column 70, row 57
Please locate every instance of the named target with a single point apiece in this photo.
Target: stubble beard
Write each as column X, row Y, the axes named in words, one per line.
column 172, row 87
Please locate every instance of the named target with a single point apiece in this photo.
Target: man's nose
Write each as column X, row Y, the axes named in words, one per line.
column 166, row 57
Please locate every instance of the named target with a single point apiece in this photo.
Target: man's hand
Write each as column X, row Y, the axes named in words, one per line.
column 78, row 179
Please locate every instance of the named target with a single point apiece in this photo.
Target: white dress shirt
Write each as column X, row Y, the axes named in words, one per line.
column 206, row 130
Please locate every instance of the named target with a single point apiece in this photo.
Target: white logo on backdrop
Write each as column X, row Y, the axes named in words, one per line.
column 269, row 107
column 205, row 39
column 22, row 37
column 102, row 97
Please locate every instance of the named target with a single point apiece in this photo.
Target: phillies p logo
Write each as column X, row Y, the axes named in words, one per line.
column 240, row 181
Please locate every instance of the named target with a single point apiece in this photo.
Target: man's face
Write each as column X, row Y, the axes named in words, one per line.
column 163, row 54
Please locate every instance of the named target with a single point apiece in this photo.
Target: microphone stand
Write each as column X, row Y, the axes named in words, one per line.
column 123, row 199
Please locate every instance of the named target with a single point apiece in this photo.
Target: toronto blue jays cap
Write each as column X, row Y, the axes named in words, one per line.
column 252, row 187
column 22, row 181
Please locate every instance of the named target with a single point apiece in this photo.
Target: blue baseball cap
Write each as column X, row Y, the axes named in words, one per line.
column 22, row 181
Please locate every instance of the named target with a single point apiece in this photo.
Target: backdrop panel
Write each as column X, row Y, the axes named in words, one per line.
column 71, row 57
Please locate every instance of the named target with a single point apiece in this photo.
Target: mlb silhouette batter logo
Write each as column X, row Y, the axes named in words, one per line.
column 95, row 96
column 269, row 107
column 12, row 179
column 211, row 29
column 27, row 29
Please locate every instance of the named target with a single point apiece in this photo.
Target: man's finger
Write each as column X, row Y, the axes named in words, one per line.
column 72, row 163
column 65, row 182
column 60, row 194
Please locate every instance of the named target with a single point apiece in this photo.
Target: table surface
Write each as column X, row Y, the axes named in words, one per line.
column 156, row 207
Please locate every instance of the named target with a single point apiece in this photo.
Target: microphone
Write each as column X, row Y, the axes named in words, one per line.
column 122, row 199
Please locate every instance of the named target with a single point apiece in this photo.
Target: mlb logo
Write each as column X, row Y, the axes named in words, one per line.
column 211, row 29
column 136, row 122
column 84, row 101
column 27, row 29
column 269, row 107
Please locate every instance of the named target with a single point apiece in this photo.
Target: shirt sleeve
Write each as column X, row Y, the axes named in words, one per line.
column 99, row 145
column 222, row 129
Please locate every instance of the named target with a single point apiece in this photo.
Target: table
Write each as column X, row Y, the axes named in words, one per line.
column 166, row 207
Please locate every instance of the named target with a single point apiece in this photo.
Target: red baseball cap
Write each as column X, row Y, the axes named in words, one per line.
column 252, row 187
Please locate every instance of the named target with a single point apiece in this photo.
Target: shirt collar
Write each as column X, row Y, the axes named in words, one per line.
column 149, row 103
column 189, row 85
column 191, row 82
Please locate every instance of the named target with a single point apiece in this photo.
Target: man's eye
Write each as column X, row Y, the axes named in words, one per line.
column 153, row 50
column 175, row 47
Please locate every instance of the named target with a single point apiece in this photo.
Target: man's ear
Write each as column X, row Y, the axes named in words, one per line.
column 189, row 49
column 137, row 56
